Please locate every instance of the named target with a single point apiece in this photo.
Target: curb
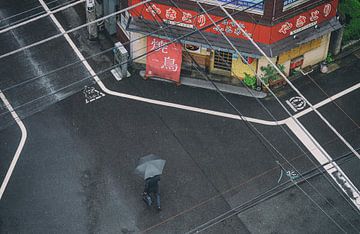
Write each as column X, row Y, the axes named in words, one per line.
column 199, row 83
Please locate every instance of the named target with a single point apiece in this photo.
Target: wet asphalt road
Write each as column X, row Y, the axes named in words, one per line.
column 75, row 173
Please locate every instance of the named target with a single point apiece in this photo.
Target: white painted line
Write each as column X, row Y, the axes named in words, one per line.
column 326, row 101
column 289, row 104
column 20, row 146
column 323, row 157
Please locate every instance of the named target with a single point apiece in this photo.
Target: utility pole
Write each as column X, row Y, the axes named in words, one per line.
column 91, row 16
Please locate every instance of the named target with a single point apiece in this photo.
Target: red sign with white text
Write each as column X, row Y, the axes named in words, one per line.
column 260, row 33
column 163, row 61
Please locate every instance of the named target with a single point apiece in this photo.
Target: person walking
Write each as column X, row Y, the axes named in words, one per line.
column 150, row 167
column 152, row 187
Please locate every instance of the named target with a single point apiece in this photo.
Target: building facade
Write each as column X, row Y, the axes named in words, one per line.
column 293, row 33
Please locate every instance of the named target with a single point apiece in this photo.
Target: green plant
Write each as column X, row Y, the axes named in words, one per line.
column 295, row 72
column 350, row 10
column 250, row 80
column 270, row 73
column 329, row 58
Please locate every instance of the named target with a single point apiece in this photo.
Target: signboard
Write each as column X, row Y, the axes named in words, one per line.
column 253, row 6
column 260, row 33
column 305, row 20
column 288, row 4
column 163, row 61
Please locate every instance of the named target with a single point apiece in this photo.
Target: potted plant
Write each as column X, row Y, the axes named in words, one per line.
column 271, row 76
column 324, row 64
column 250, row 80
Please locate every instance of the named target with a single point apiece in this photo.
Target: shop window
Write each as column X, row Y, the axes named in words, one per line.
column 222, row 60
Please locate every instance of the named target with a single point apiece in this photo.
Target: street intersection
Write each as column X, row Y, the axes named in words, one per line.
column 69, row 167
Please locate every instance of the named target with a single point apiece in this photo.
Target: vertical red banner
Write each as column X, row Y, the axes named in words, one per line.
column 163, row 60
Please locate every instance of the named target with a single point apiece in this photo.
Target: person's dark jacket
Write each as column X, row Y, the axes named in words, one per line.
column 152, row 184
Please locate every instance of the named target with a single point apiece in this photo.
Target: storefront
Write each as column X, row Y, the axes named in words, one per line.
column 298, row 42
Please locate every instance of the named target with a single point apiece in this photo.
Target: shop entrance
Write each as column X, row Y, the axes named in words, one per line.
column 295, row 64
column 198, row 53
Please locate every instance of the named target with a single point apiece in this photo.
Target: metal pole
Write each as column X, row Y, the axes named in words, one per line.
column 91, row 16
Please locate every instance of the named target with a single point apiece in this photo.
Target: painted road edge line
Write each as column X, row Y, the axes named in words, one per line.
column 20, row 146
column 331, row 167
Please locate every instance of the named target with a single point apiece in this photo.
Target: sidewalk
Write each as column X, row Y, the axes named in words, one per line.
column 239, row 89
column 227, row 88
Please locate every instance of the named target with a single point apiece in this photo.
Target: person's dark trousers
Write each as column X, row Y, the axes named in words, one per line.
column 158, row 200
column 152, row 187
column 147, row 199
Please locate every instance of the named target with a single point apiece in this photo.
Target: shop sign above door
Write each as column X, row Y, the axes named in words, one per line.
column 307, row 20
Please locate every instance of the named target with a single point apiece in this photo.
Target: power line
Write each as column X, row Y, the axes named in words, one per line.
column 290, row 83
column 114, row 66
column 296, row 121
column 110, row 49
column 24, row 12
column 81, row 26
column 333, row 101
column 274, row 117
column 72, row 30
column 331, row 183
column 345, row 157
column 40, row 16
column 272, row 192
column 240, row 115
column 320, row 207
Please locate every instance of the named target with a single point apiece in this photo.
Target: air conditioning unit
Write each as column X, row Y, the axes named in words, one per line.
column 193, row 48
column 120, row 57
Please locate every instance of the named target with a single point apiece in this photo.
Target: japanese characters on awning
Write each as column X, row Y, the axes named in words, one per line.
column 264, row 34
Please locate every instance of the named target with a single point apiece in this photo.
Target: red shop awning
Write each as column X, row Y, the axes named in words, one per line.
column 163, row 61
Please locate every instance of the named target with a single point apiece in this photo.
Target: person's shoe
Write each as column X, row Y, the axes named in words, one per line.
column 147, row 200
column 159, row 208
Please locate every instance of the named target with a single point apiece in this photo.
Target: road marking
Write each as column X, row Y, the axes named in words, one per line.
column 91, row 94
column 296, row 103
column 20, row 146
column 324, row 158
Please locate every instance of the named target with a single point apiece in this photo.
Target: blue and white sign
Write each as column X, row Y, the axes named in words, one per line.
column 288, row 4
column 253, row 6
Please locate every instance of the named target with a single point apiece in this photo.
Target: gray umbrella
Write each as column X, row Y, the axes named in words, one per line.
column 149, row 166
